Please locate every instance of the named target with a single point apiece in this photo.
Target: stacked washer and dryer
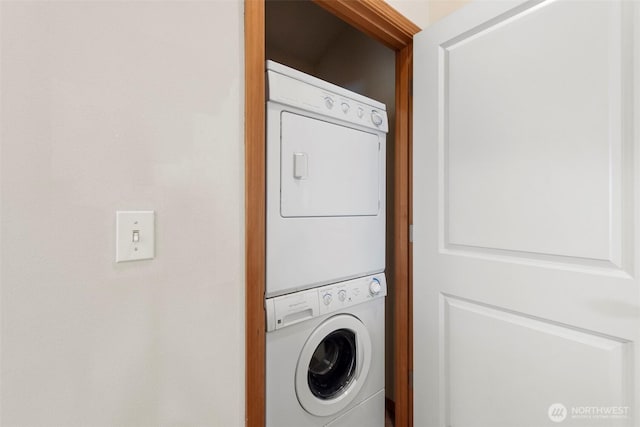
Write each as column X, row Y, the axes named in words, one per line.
column 325, row 283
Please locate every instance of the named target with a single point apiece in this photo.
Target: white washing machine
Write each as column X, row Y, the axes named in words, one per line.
column 325, row 356
column 325, row 182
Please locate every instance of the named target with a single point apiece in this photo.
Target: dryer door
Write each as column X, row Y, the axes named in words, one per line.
column 328, row 169
column 333, row 365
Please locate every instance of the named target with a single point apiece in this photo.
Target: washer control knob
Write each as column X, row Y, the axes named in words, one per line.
column 326, row 298
column 360, row 112
column 342, row 295
column 328, row 101
column 375, row 287
column 376, row 118
column 345, row 107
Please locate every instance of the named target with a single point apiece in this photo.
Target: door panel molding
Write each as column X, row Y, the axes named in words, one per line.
column 605, row 252
column 467, row 326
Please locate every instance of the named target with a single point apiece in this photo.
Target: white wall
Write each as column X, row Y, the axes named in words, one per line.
column 121, row 105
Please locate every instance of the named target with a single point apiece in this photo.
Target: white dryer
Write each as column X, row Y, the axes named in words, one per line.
column 325, row 356
column 325, row 182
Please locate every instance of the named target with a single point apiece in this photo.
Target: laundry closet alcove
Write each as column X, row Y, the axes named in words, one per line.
column 381, row 22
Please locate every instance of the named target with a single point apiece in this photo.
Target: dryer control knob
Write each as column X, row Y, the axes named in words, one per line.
column 375, row 287
column 376, row 118
column 342, row 295
column 328, row 101
column 326, row 298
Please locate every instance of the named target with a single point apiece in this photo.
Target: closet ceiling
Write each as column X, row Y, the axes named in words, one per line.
column 301, row 28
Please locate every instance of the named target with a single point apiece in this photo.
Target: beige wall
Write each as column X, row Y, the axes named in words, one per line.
column 107, row 106
column 416, row 10
column 438, row 9
column 423, row 12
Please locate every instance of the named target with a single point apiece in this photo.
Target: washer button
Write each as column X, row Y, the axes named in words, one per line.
column 342, row 295
column 326, row 298
column 345, row 107
column 328, row 101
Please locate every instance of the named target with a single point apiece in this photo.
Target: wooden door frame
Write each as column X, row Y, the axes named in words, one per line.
column 383, row 23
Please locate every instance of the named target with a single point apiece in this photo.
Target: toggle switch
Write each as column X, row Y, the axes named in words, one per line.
column 135, row 235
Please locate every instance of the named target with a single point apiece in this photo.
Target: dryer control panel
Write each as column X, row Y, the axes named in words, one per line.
column 292, row 87
column 287, row 310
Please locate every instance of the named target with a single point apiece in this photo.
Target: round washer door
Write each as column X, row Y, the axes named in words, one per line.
column 333, row 365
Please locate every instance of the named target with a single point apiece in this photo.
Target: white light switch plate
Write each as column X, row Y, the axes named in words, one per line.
column 135, row 235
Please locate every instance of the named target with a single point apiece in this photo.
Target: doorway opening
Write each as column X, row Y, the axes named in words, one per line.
column 366, row 48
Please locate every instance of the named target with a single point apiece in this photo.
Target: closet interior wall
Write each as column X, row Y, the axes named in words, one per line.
column 304, row 36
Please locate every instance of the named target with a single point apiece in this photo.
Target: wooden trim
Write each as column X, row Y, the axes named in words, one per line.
column 375, row 18
column 390, row 407
column 383, row 23
column 255, row 211
column 401, row 270
column 410, row 260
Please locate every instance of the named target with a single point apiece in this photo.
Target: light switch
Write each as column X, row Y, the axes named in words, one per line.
column 135, row 235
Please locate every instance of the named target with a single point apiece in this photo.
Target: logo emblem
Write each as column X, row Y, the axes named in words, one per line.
column 557, row 412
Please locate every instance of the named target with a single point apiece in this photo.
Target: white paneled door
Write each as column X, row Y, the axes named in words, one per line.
column 527, row 216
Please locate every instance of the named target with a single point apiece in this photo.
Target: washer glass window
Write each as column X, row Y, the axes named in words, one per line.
column 333, row 364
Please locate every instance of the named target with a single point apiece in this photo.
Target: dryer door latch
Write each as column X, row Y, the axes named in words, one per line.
column 300, row 169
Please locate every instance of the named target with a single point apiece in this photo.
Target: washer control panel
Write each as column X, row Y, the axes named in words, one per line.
column 341, row 295
column 299, row 306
